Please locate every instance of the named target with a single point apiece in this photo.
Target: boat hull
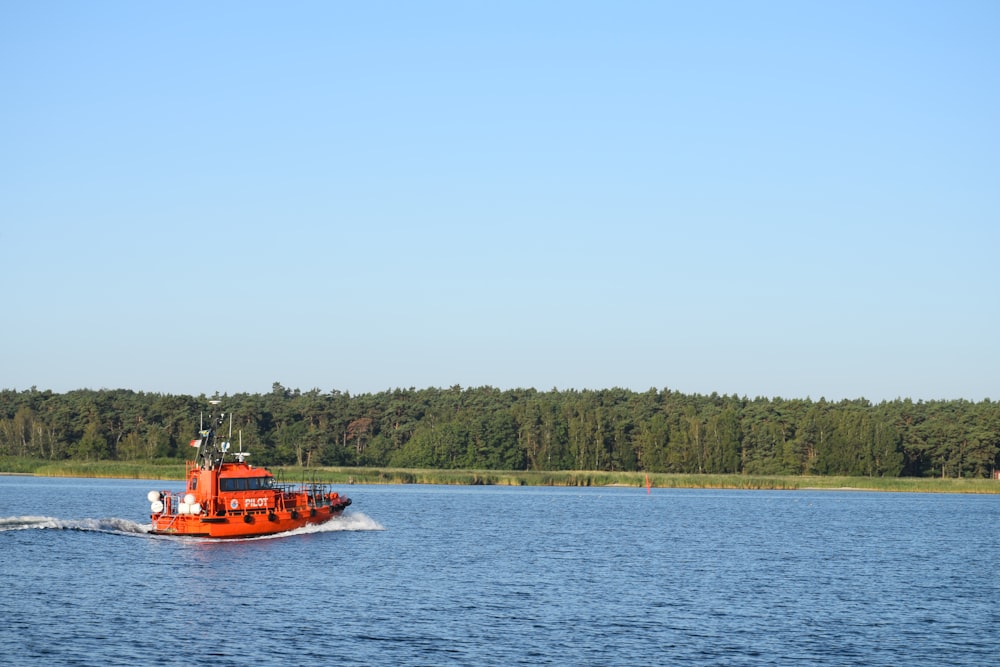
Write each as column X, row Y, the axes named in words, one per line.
column 243, row 524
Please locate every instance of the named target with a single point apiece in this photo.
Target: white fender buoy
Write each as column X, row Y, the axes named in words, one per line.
column 183, row 508
column 195, row 508
column 189, row 499
column 156, row 507
column 153, row 496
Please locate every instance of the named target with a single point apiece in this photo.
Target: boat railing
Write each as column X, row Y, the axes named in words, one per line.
column 281, row 484
column 315, row 490
column 170, row 501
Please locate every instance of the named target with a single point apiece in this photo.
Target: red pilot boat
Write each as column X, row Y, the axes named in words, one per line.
column 227, row 497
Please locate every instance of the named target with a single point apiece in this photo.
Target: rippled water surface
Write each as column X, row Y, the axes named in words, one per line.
column 423, row 575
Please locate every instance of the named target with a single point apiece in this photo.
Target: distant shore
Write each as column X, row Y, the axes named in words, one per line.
column 348, row 476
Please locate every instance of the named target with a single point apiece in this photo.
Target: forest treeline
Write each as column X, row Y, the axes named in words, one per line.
column 519, row 429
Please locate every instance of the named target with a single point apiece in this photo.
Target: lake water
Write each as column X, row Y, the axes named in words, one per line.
column 428, row 575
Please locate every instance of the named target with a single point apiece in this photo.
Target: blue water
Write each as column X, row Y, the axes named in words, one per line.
column 424, row 575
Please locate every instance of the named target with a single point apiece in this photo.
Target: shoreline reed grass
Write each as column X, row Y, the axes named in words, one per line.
column 174, row 471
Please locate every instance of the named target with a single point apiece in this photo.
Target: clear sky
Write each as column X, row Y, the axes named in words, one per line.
column 795, row 199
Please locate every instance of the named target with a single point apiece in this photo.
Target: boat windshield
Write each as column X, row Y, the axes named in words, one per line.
column 245, row 483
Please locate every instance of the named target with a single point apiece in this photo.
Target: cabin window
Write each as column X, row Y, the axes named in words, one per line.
column 194, row 483
column 245, row 483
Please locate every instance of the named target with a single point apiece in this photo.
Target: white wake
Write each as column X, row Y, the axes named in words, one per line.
column 355, row 521
column 111, row 525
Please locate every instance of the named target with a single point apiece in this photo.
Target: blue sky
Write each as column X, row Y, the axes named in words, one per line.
column 795, row 199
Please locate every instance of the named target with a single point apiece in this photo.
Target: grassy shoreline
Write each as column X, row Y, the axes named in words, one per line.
column 348, row 476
